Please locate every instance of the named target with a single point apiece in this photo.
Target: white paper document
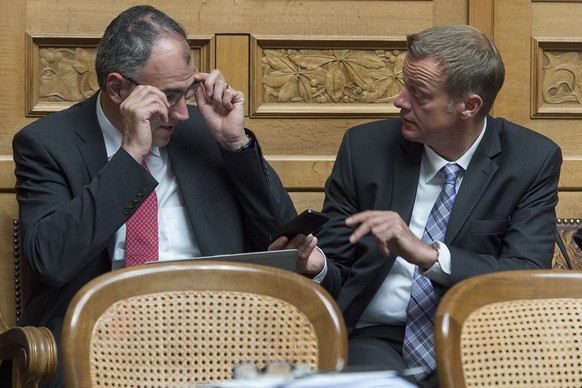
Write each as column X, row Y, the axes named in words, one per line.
column 376, row 379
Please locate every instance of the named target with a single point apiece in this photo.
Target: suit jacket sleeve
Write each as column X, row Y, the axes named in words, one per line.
column 353, row 186
column 265, row 204
column 66, row 225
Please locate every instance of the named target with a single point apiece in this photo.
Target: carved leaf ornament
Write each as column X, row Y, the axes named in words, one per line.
column 332, row 76
column 67, row 75
column 562, row 77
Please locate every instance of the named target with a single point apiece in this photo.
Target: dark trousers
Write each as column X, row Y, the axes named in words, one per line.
column 380, row 348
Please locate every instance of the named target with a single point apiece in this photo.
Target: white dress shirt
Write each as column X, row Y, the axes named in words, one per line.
column 390, row 303
column 175, row 237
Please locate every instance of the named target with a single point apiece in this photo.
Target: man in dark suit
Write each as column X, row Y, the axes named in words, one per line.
column 80, row 178
column 386, row 179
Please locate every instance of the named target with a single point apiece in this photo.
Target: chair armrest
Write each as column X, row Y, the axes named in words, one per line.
column 33, row 349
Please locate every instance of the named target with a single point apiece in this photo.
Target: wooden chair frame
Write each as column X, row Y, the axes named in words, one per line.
column 571, row 255
column 480, row 292
column 32, row 350
column 98, row 295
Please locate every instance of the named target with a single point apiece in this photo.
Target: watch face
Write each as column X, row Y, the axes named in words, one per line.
column 437, row 247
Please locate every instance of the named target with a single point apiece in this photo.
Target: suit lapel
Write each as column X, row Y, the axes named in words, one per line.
column 90, row 139
column 91, row 145
column 405, row 179
column 481, row 170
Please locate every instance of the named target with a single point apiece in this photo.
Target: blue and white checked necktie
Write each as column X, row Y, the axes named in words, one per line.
column 418, row 347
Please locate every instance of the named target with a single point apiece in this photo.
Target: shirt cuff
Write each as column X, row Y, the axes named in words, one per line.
column 440, row 271
column 319, row 277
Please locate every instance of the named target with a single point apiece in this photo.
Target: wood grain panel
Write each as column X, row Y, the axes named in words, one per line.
column 307, row 200
column 11, row 71
column 232, row 58
column 285, row 18
column 515, row 37
column 481, row 16
column 302, row 173
column 569, row 205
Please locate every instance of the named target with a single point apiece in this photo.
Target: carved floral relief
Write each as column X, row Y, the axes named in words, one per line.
column 562, row 77
column 67, row 75
column 339, row 76
column 60, row 70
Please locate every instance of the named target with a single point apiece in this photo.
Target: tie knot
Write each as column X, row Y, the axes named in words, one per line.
column 450, row 172
column 144, row 165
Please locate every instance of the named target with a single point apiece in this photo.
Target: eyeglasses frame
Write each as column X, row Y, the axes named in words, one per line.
column 173, row 99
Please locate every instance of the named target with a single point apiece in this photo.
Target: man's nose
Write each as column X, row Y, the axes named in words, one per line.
column 403, row 99
column 180, row 110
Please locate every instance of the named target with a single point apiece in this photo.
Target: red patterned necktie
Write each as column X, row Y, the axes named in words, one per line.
column 141, row 236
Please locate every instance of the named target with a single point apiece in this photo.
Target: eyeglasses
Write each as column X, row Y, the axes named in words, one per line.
column 173, row 97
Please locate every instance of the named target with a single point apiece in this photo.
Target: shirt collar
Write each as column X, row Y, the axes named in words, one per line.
column 111, row 135
column 433, row 162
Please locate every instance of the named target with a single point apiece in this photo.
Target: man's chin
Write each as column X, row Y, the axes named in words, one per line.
column 409, row 133
column 159, row 144
column 406, row 129
column 162, row 137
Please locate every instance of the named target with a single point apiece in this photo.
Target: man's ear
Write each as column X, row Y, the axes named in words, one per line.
column 472, row 106
column 114, row 86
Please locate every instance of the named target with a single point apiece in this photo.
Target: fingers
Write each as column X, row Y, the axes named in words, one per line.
column 141, row 113
column 278, row 244
column 391, row 235
column 310, row 261
column 144, row 102
column 387, row 228
column 376, row 222
column 216, row 91
column 304, row 244
column 223, row 110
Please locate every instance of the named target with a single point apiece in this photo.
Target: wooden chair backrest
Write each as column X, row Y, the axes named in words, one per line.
column 510, row 329
column 9, row 262
column 193, row 322
column 566, row 228
column 32, row 349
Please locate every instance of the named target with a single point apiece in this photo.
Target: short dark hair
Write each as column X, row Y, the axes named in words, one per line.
column 128, row 41
column 468, row 58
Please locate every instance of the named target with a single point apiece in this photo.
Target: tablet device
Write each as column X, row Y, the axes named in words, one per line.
column 284, row 259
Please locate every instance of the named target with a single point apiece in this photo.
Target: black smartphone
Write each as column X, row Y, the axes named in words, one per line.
column 305, row 223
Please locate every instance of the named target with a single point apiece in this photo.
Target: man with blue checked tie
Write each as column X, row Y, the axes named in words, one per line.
column 420, row 203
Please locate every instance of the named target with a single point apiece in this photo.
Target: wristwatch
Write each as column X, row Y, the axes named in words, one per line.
column 248, row 145
column 437, row 248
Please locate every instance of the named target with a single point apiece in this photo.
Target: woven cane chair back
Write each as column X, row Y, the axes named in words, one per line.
column 511, row 329
column 193, row 323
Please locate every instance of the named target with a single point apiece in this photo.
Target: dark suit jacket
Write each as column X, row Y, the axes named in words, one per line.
column 72, row 200
column 503, row 217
